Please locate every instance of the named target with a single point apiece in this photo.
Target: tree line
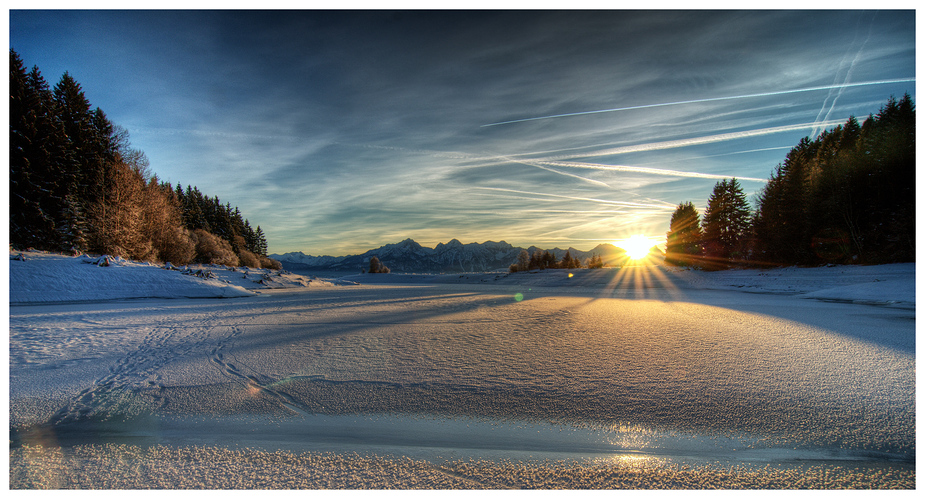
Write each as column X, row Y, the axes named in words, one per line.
column 847, row 196
column 77, row 185
column 542, row 260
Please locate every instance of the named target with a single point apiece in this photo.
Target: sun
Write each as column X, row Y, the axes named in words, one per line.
column 637, row 246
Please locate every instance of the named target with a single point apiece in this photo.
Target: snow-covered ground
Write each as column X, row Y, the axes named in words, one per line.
column 40, row 277
column 892, row 285
column 44, row 278
column 645, row 377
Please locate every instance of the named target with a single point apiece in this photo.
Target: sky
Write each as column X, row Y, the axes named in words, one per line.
column 341, row 131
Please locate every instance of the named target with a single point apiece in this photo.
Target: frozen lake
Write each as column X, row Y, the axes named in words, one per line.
column 492, row 374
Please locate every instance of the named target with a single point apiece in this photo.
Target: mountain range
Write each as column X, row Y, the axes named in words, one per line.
column 410, row 257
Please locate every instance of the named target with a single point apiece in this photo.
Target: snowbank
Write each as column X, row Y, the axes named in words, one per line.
column 39, row 277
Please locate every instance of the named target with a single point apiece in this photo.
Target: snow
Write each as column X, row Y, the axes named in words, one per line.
column 892, row 284
column 39, row 277
column 644, row 377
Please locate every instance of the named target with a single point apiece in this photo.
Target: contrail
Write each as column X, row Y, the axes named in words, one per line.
column 712, row 99
column 662, row 206
column 541, row 167
column 857, row 56
column 749, row 151
column 643, row 169
column 651, row 146
column 561, row 161
column 709, row 139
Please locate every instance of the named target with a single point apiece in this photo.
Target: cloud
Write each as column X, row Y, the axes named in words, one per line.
column 549, row 163
column 544, row 166
column 642, row 169
column 671, row 144
column 338, row 129
column 545, row 196
column 840, row 86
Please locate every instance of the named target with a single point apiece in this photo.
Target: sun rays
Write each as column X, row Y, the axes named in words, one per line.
column 636, row 246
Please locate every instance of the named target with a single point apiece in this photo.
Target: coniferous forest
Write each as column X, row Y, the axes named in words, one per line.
column 846, row 197
column 77, row 185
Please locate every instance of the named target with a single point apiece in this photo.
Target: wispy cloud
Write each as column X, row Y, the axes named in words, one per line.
column 546, row 195
column 545, row 166
column 338, row 131
column 642, row 169
column 694, row 141
column 733, row 153
column 550, row 163
column 711, row 99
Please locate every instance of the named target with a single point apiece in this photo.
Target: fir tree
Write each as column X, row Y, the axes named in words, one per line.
column 77, row 185
column 726, row 223
column 261, row 248
column 41, row 187
column 684, row 236
column 847, row 197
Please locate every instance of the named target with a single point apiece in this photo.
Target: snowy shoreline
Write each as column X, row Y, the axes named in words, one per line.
column 51, row 278
column 38, row 277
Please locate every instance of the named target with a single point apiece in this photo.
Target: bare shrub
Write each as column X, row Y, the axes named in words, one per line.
column 213, row 249
column 162, row 225
column 248, row 259
column 115, row 221
column 376, row 267
column 179, row 248
column 269, row 263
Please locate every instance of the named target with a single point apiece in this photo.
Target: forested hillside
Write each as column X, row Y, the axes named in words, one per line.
column 77, row 185
column 847, row 196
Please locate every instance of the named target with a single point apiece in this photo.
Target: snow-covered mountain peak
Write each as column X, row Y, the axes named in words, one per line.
column 452, row 256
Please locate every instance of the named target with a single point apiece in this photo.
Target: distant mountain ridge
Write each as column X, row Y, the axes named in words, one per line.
column 408, row 256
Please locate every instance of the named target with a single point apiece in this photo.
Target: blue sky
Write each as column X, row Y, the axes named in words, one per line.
column 339, row 132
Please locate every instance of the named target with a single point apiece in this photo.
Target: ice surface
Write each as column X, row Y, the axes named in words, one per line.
column 659, row 365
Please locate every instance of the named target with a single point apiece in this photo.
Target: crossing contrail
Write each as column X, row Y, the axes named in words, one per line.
column 671, row 144
column 539, row 164
column 841, row 89
column 641, row 169
column 712, row 99
column 661, row 205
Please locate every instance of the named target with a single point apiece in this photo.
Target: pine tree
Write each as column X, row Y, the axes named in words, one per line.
column 91, row 155
column 596, row 262
column 684, row 236
column 28, row 223
column 41, row 191
column 566, row 262
column 848, row 196
column 536, row 260
column 261, row 248
column 76, row 184
column 548, row 261
column 726, row 223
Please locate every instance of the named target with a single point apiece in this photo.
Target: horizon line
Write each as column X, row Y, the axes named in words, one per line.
column 605, row 242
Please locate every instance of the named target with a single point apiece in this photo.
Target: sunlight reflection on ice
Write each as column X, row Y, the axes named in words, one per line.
column 437, row 438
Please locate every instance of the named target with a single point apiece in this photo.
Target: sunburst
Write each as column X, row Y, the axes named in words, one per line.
column 636, row 246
